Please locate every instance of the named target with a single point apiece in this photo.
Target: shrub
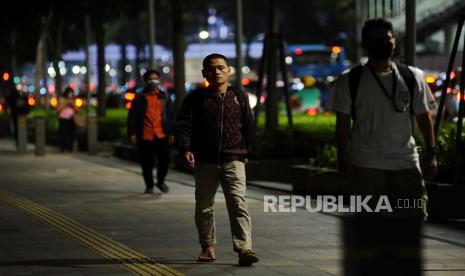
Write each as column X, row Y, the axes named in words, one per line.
column 311, row 138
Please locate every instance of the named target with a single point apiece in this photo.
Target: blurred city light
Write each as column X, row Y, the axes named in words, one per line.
column 288, row 60
column 129, row 96
column 31, row 101
column 246, row 69
column 79, row 102
column 94, row 102
column 312, row 111
column 76, row 69
column 83, row 70
column 430, row 79
column 54, row 102
column 51, row 72
column 51, row 89
column 336, row 50
column 309, row 81
column 211, row 20
column 128, row 68
column 6, row 76
column 204, row 35
column 107, row 68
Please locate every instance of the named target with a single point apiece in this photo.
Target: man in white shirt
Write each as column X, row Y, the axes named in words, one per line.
column 378, row 152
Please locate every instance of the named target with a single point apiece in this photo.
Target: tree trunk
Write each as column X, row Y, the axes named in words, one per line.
column 13, row 53
column 57, row 55
column 39, row 68
column 272, row 70
column 41, row 59
column 248, row 43
column 138, row 62
column 179, row 46
column 124, row 61
column 100, row 40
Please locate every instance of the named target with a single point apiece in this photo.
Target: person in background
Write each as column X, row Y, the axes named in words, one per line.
column 149, row 124
column 16, row 104
column 66, row 110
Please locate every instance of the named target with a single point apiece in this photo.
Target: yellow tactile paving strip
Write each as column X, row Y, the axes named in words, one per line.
column 135, row 262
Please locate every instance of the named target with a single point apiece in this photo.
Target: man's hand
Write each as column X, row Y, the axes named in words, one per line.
column 190, row 159
column 133, row 139
column 429, row 165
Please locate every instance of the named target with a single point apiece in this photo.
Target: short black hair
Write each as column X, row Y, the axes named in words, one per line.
column 149, row 72
column 375, row 24
column 210, row 57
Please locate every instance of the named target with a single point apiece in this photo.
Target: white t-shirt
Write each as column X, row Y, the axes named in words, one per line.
column 381, row 137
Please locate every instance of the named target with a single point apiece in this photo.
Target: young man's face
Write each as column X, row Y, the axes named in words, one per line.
column 380, row 44
column 217, row 72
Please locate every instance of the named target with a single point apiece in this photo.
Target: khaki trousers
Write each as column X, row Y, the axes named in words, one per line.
column 231, row 175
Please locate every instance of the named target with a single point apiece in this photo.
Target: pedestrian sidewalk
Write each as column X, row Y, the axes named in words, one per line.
column 87, row 215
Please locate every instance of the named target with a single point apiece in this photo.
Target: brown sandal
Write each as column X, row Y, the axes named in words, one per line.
column 207, row 255
column 247, row 257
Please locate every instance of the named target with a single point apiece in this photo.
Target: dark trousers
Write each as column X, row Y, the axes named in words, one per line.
column 66, row 129
column 147, row 150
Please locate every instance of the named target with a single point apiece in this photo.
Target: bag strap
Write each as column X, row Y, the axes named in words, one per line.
column 409, row 78
column 354, row 80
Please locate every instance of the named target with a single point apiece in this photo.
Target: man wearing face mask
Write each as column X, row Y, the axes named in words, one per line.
column 150, row 122
column 378, row 153
column 214, row 132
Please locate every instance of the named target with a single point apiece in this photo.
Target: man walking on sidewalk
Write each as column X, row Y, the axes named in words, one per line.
column 214, row 133
column 381, row 97
column 149, row 124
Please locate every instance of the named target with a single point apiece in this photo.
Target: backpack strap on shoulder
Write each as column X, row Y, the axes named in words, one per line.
column 409, row 78
column 354, row 80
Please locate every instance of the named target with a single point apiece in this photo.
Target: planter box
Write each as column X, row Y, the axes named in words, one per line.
column 317, row 181
column 305, row 180
column 126, row 152
column 445, row 201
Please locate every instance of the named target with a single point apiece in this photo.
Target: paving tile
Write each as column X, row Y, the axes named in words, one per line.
column 105, row 194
